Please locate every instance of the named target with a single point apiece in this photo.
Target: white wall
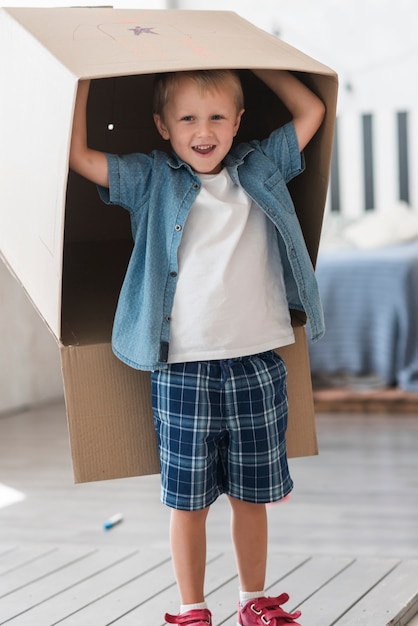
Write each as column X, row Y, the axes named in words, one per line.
column 30, row 370
column 370, row 43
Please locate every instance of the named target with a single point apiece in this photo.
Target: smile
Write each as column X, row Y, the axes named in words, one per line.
column 203, row 149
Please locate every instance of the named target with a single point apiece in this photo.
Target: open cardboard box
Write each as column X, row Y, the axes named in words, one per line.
column 69, row 250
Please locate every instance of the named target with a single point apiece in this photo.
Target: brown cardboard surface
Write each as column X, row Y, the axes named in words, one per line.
column 301, row 433
column 70, row 252
column 103, row 42
column 110, row 416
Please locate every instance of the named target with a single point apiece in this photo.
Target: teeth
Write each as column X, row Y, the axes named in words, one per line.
column 208, row 147
column 203, row 148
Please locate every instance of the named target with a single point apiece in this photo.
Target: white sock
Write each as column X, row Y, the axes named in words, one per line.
column 246, row 596
column 191, row 607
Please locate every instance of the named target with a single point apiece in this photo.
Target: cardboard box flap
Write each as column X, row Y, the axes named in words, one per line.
column 100, row 42
column 36, row 111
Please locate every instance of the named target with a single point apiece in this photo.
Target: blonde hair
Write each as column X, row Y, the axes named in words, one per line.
column 167, row 82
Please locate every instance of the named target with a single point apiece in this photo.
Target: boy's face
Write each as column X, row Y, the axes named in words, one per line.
column 200, row 125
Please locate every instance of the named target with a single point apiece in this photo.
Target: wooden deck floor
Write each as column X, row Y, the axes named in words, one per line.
column 345, row 547
column 80, row 585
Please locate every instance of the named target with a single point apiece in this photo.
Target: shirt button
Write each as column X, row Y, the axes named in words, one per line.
column 177, row 227
column 196, row 186
column 173, row 274
column 168, row 318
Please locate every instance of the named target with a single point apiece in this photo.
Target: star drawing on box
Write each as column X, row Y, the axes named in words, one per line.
column 139, row 30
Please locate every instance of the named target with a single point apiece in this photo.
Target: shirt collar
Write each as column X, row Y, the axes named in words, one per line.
column 232, row 161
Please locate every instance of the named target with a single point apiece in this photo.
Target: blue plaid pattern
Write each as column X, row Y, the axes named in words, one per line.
column 221, row 429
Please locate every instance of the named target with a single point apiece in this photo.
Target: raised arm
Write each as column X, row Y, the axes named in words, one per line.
column 306, row 108
column 91, row 164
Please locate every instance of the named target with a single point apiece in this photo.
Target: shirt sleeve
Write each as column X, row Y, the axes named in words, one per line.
column 128, row 176
column 282, row 148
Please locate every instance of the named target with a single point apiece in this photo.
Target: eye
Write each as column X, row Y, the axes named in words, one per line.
column 217, row 117
column 187, row 118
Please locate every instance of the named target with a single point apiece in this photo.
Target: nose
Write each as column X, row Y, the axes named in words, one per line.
column 203, row 129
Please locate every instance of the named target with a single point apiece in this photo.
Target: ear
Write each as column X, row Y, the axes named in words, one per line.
column 161, row 127
column 238, row 121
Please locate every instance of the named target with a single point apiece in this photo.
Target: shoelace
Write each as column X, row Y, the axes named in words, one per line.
column 270, row 609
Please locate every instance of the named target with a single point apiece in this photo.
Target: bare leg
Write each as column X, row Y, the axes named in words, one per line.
column 249, row 535
column 188, row 551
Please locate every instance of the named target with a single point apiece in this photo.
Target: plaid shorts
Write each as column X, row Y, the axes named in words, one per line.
column 221, row 428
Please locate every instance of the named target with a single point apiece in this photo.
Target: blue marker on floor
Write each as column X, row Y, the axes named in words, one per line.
column 113, row 521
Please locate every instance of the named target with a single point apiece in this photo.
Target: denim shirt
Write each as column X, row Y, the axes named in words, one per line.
column 158, row 190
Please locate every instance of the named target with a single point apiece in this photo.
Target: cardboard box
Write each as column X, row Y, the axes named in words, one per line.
column 70, row 251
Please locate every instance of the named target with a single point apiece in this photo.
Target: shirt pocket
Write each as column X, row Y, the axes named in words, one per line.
column 276, row 186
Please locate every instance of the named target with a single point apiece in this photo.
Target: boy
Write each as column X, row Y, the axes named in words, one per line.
column 218, row 260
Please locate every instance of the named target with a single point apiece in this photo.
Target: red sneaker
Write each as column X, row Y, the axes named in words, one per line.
column 264, row 611
column 196, row 617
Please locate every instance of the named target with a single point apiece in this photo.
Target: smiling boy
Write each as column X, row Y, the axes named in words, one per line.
column 218, row 261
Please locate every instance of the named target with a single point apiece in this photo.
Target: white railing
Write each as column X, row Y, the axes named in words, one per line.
column 374, row 164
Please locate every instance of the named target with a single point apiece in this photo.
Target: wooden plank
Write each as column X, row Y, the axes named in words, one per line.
column 315, row 574
column 302, row 581
column 413, row 621
column 20, row 557
column 53, row 561
column 39, row 601
column 110, row 594
column 224, row 600
column 219, row 571
column 221, row 586
column 221, row 590
column 6, row 548
column 406, row 616
column 76, row 588
column 393, row 601
column 331, row 602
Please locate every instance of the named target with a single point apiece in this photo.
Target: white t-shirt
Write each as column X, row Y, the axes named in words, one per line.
column 230, row 298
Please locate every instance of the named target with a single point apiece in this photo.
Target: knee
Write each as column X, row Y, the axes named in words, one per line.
column 189, row 517
column 241, row 506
